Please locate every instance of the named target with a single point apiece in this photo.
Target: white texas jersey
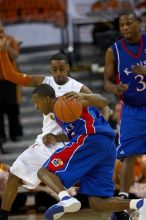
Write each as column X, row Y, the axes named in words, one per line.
column 71, row 86
column 49, row 126
column 35, row 156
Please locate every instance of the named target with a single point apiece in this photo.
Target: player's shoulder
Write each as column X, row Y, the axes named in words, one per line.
column 117, row 43
column 47, row 79
column 117, row 46
column 71, row 80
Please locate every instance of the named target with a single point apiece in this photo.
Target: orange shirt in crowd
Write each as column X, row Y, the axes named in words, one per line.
column 137, row 171
column 14, row 45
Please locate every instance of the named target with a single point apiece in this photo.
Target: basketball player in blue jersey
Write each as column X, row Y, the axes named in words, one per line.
column 88, row 158
column 121, row 80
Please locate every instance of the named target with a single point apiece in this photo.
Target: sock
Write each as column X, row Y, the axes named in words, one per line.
column 124, row 195
column 133, row 203
column 4, row 214
column 63, row 194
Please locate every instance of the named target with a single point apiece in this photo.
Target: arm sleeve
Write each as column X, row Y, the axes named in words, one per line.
column 12, row 75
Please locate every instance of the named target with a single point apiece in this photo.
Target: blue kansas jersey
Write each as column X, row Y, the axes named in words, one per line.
column 126, row 56
column 90, row 122
column 88, row 157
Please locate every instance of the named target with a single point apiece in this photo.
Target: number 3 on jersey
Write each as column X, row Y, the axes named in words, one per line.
column 141, row 82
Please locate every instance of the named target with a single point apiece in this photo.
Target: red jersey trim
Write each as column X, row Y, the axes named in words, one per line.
column 89, row 120
column 61, row 159
column 129, row 52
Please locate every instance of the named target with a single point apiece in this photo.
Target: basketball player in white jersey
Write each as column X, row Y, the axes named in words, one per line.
column 24, row 169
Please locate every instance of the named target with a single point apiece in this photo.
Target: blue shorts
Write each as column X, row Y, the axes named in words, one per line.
column 89, row 160
column 132, row 131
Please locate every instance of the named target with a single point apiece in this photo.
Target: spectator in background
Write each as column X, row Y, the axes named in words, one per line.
column 10, row 97
column 138, row 187
column 105, row 5
column 106, row 30
column 140, row 7
column 124, row 6
column 143, row 21
column 100, row 27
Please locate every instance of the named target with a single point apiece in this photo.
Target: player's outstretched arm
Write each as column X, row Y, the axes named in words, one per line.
column 10, row 73
column 96, row 100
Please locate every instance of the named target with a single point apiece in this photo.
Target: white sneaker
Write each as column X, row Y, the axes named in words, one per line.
column 67, row 204
column 141, row 206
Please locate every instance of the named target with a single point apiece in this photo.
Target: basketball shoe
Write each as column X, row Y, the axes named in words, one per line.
column 67, row 204
column 120, row 216
column 141, row 208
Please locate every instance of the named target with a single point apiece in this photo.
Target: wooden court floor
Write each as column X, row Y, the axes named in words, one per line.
column 81, row 215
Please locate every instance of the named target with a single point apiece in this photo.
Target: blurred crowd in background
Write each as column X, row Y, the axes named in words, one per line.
column 10, row 94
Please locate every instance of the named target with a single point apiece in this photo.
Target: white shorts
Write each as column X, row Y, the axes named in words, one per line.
column 30, row 161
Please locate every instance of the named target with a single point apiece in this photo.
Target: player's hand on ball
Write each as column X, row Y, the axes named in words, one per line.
column 67, row 108
column 138, row 69
column 49, row 139
column 72, row 96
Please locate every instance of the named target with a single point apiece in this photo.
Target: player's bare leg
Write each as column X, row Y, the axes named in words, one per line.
column 9, row 195
column 108, row 204
column 10, row 192
column 69, row 204
column 128, row 164
column 118, row 204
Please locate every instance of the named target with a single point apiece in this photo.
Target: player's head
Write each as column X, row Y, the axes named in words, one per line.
column 44, row 97
column 129, row 25
column 59, row 68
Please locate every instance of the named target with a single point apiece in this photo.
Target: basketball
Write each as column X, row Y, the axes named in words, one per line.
column 67, row 110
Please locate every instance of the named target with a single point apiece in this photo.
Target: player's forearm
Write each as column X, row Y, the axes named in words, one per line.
column 13, row 54
column 95, row 100
column 9, row 72
column 110, row 87
column 61, row 138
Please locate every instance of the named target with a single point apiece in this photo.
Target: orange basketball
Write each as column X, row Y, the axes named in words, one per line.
column 66, row 110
